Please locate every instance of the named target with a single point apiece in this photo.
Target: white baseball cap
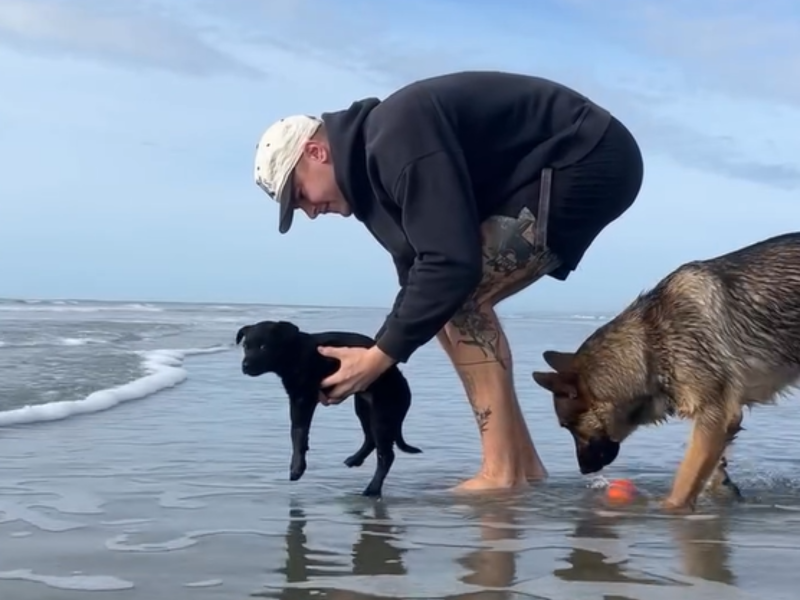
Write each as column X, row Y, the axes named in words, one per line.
column 277, row 154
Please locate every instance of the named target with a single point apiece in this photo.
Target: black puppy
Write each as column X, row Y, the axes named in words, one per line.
column 280, row 347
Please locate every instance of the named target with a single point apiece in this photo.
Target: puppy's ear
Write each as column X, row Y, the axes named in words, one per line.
column 563, row 385
column 241, row 333
column 562, row 362
column 286, row 330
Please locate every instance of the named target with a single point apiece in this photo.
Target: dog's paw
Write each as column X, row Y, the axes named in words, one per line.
column 676, row 507
column 296, row 471
column 722, row 487
column 371, row 492
column 353, row 461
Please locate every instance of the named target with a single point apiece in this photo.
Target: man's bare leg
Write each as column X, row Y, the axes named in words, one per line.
column 532, row 465
column 513, row 259
column 483, row 360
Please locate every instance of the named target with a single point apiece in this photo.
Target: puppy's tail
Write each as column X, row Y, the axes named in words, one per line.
column 402, row 445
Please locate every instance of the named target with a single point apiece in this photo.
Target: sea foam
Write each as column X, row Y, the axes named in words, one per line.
column 163, row 368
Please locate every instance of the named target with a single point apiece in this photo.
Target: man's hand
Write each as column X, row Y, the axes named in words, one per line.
column 359, row 368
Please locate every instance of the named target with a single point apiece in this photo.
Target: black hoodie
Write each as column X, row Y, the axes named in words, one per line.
column 424, row 167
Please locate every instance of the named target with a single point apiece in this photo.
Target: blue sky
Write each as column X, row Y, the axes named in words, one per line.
column 127, row 132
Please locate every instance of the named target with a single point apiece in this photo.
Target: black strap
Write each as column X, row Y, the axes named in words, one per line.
column 544, row 207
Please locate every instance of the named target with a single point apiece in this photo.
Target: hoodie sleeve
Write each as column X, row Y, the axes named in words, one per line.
column 440, row 220
column 402, row 277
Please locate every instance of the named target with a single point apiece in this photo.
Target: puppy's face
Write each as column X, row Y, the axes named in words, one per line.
column 267, row 346
column 593, row 424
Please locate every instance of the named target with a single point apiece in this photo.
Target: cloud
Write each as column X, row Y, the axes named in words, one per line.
column 128, row 33
column 392, row 49
column 662, row 129
column 726, row 45
column 748, row 49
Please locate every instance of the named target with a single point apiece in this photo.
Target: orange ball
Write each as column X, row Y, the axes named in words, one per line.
column 621, row 491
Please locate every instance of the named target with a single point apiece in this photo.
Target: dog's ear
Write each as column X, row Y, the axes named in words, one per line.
column 562, row 385
column 568, row 409
column 241, row 333
column 566, row 401
column 561, row 362
column 286, row 330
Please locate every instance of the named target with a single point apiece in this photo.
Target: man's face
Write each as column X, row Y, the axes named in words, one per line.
column 314, row 183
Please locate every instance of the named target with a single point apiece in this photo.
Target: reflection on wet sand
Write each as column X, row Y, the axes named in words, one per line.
column 678, row 557
column 504, row 551
column 589, row 564
column 703, row 548
column 492, row 567
column 373, row 554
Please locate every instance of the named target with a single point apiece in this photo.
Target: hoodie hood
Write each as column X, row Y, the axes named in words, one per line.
column 345, row 130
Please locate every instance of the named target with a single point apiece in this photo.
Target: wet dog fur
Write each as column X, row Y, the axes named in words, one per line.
column 280, row 347
column 712, row 337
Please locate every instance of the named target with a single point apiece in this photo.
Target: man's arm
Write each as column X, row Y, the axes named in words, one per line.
column 440, row 219
column 402, row 277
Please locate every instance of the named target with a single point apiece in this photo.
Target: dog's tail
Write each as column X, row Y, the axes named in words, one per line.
column 402, row 445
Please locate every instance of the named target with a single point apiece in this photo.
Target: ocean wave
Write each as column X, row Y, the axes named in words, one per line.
column 164, row 369
column 57, row 306
column 54, row 341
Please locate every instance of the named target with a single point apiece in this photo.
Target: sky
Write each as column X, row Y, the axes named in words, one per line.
column 128, row 130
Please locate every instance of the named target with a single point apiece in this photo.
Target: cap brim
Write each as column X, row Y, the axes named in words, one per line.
column 286, row 211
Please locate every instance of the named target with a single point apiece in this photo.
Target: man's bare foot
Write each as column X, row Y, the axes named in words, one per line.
column 534, row 469
column 535, row 473
column 482, row 483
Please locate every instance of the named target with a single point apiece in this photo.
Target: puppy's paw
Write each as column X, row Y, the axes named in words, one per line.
column 297, row 468
column 353, row 461
column 372, row 491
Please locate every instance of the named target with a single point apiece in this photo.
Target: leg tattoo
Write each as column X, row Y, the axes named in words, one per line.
column 476, row 329
column 482, row 417
column 482, row 414
column 511, row 261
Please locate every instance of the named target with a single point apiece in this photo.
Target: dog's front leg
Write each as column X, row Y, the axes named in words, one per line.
column 720, row 482
column 706, row 445
column 301, row 411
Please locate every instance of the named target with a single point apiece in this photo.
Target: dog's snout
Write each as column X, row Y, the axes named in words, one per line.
column 596, row 454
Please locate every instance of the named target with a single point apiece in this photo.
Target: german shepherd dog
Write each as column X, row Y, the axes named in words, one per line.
column 280, row 347
column 710, row 338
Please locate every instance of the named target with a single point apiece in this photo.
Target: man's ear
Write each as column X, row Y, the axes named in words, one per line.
column 316, row 150
column 562, row 362
column 241, row 333
column 559, row 384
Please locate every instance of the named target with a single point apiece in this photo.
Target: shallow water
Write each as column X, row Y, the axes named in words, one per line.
column 184, row 493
